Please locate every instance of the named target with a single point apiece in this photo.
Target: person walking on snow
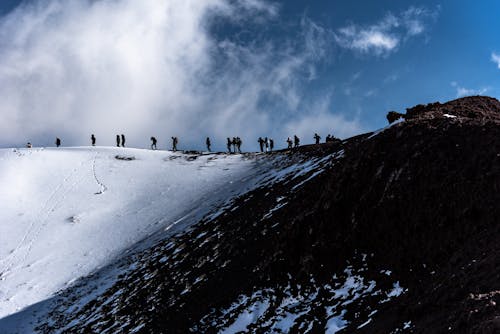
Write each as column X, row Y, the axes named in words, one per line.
column 234, row 144
column 123, row 140
column 208, row 144
column 229, row 145
column 153, row 143
column 238, row 144
column 118, row 140
column 261, row 144
column 289, row 142
column 92, row 139
column 58, row 142
column 296, row 141
column 266, row 142
column 174, row 143
column 271, row 144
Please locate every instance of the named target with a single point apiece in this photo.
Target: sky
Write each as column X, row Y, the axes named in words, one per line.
column 224, row 68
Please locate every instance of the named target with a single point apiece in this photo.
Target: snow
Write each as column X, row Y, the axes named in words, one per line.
column 67, row 212
column 335, row 323
column 280, row 310
column 398, row 121
column 247, row 317
column 449, row 116
column 396, row 291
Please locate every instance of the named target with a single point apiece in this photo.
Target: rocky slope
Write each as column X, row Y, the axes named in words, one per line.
column 387, row 232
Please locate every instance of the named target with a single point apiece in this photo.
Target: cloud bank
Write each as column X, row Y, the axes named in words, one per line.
column 70, row 68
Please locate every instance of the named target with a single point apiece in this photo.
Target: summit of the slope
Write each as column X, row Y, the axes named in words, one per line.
column 472, row 107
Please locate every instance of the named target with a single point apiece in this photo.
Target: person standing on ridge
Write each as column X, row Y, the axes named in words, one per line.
column 118, row 140
column 123, row 140
column 92, row 139
column 153, row 143
column 234, row 144
column 289, row 142
column 207, row 141
column 317, row 138
column 238, row 144
column 229, row 145
column 271, row 144
column 58, row 142
column 261, row 144
column 296, row 141
column 266, row 143
column 174, row 143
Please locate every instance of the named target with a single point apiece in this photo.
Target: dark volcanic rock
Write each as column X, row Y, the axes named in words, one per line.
column 420, row 199
column 475, row 107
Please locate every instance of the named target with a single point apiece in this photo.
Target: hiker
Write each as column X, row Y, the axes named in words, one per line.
column 296, row 141
column 153, row 143
column 317, row 138
column 208, row 144
column 123, row 140
column 238, row 144
column 233, row 142
column 271, row 144
column 92, row 139
column 174, row 143
column 266, row 143
column 289, row 142
column 261, row 144
column 118, row 140
column 58, row 142
column 328, row 139
column 229, row 145
column 28, row 145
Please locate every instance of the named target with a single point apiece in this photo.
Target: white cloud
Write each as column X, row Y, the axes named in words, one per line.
column 386, row 35
column 462, row 91
column 69, row 68
column 495, row 58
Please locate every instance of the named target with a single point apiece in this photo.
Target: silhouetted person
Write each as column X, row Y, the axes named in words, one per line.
column 289, row 142
column 153, row 143
column 92, row 139
column 317, row 138
column 123, row 140
column 266, row 143
column 233, row 142
column 296, row 141
column 28, row 145
column 208, row 144
column 174, row 143
column 118, row 140
column 271, row 144
column 229, row 143
column 238, row 144
column 261, row 144
column 328, row 139
column 58, row 142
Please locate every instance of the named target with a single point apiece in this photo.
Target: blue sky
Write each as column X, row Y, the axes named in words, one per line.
column 249, row 68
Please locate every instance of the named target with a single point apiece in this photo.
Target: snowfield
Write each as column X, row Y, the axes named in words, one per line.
column 81, row 226
column 66, row 212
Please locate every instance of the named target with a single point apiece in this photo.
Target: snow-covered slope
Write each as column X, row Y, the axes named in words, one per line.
column 66, row 212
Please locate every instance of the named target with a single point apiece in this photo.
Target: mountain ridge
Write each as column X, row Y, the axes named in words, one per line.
column 386, row 232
